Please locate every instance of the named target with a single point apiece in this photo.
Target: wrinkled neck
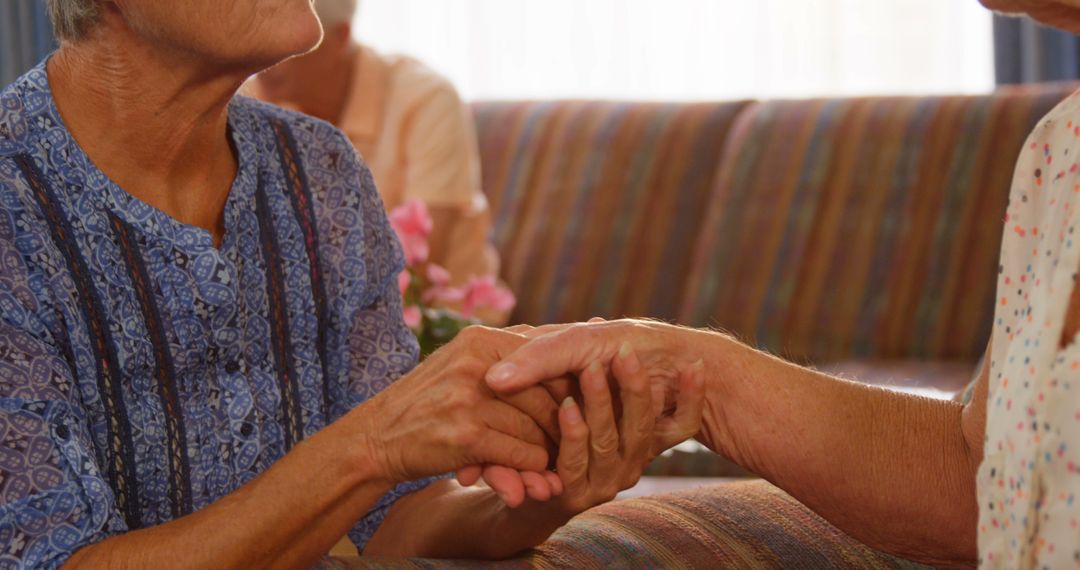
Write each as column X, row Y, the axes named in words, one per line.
column 155, row 123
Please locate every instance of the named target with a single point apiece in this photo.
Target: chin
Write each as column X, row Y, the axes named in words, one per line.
column 1011, row 7
column 300, row 37
column 1000, row 5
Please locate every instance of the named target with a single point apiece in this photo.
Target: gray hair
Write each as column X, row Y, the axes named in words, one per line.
column 71, row 18
column 333, row 12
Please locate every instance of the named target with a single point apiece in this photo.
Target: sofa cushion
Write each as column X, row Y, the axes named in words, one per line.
column 850, row 228
column 733, row 525
column 597, row 205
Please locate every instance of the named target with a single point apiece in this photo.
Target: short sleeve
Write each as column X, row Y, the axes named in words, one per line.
column 441, row 156
column 53, row 497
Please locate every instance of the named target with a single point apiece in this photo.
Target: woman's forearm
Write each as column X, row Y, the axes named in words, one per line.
column 449, row 521
column 286, row 518
column 891, row 470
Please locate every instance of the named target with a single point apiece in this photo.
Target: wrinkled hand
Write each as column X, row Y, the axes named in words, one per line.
column 557, row 351
column 442, row 416
column 601, row 454
column 613, row 459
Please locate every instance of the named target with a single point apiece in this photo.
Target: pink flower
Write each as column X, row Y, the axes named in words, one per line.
column 439, row 289
column 404, row 279
column 437, row 275
column 415, row 248
column 486, row 293
column 413, row 316
column 443, row 295
column 412, row 224
column 412, row 218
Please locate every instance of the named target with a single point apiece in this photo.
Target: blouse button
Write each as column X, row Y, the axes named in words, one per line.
column 245, row 430
column 62, row 432
column 232, row 367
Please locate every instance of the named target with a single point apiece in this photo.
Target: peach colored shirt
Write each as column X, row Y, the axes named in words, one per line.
column 419, row 140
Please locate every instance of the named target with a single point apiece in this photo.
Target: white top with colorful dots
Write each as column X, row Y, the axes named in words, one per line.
column 1029, row 480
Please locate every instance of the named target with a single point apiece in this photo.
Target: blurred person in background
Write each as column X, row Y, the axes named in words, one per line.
column 411, row 127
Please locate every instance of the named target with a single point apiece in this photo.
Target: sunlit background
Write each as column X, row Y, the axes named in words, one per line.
column 690, row 49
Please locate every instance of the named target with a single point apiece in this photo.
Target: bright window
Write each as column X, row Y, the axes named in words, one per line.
column 690, row 49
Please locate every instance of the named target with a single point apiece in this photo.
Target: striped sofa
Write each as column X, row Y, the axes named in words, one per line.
column 828, row 231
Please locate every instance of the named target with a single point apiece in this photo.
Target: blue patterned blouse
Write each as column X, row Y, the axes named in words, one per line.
column 144, row 373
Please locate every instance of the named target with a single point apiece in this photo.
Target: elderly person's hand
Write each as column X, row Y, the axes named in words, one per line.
column 602, row 453
column 556, row 351
column 606, row 450
column 831, row 443
column 442, row 415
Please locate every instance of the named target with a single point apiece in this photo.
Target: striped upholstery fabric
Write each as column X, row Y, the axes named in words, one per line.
column 735, row 525
column 597, row 205
column 862, row 227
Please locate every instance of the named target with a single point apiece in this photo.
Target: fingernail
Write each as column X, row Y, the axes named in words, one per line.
column 573, row 414
column 629, row 359
column 501, row 374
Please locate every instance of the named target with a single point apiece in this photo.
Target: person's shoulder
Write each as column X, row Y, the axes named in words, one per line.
column 24, row 106
column 1062, row 121
column 414, row 80
column 21, row 103
column 327, row 159
column 26, row 113
column 312, row 138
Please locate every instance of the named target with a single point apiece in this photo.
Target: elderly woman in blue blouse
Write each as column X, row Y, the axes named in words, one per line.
column 200, row 327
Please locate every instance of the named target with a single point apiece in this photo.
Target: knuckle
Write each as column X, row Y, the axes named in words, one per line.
column 579, row 330
column 575, row 466
column 607, row 444
column 574, row 334
column 464, row 435
column 473, row 334
column 519, row 455
column 469, row 333
column 644, row 431
column 578, row 433
column 463, row 399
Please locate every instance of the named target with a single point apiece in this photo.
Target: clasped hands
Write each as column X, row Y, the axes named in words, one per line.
column 539, row 414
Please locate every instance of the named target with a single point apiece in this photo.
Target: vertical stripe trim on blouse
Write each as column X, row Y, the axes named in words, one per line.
column 121, row 463
column 300, row 196
column 164, row 371
column 280, row 342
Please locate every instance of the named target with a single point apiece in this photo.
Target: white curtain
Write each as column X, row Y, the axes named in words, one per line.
column 690, row 49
